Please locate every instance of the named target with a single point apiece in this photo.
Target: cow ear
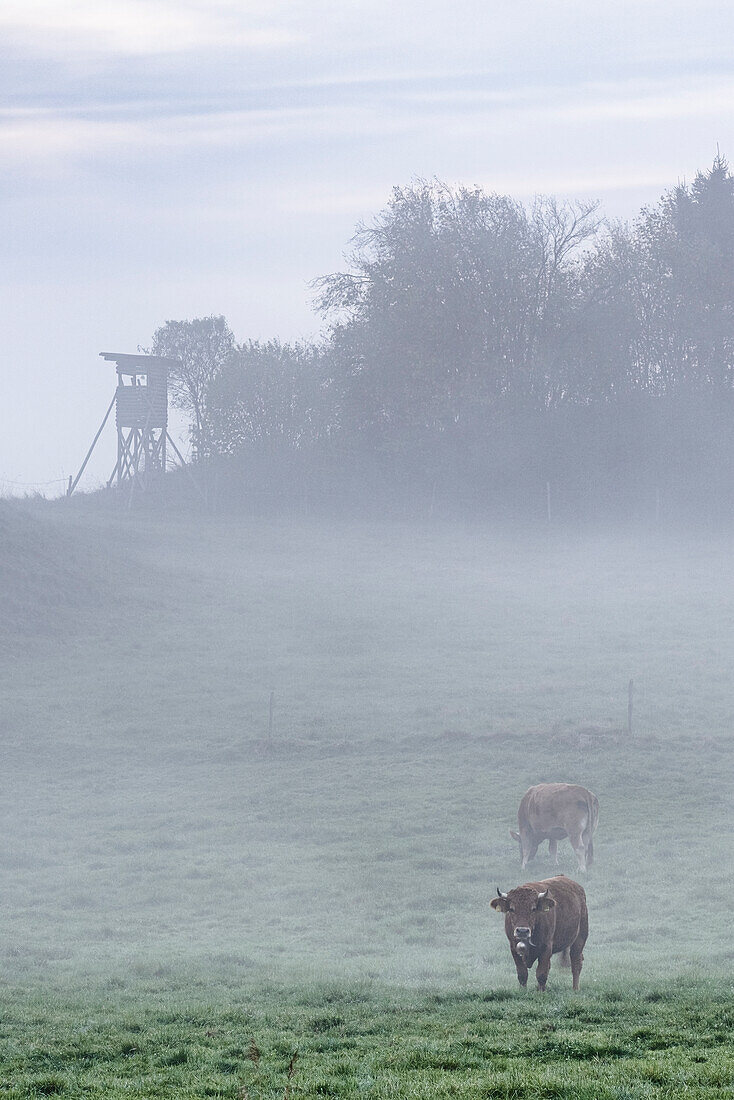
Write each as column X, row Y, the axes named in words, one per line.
column 514, row 834
column 546, row 903
column 500, row 904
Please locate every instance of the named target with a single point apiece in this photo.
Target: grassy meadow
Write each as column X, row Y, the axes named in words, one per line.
column 190, row 893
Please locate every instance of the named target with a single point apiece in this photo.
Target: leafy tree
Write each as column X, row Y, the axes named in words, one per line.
column 455, row 298
column 480, row 344
column 604, row 335
column 686, row 282
column 202, row 347
column 692, row 239
column 656, row 311
column 269, row 396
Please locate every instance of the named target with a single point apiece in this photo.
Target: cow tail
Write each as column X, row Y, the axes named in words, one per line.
column 590, row 852
column 591, row 821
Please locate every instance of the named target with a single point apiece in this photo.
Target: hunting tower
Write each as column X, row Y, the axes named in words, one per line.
column 141, row 416
column 140, row 402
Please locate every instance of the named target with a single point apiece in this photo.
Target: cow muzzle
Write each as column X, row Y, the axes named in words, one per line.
column 521, row 933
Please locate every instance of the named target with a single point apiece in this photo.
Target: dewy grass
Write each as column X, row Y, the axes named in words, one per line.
column 311, row 1041
column 181, row 885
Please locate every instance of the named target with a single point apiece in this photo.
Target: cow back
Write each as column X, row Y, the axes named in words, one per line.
column 555, row 809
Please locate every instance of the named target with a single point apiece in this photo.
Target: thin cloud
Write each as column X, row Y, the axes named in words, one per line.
column 381, row 110
column 135, row 27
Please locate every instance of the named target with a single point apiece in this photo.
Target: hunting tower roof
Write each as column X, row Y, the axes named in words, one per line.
column 138, row 364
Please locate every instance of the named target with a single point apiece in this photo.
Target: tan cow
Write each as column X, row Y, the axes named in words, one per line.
column 541, row 920
column 552, row 811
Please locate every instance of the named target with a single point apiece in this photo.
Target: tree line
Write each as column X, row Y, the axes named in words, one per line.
column 483, row 349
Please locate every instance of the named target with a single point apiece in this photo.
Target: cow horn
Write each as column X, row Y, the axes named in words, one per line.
column 542, row 894
column 500, row 894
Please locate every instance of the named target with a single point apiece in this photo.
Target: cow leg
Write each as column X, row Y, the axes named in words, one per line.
column 542, row 970
column 529, row 850
column 577, row 960
column 577, row 948
column 553, row 850
column 522, row 970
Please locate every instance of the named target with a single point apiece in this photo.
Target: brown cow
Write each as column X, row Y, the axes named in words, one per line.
column 541, row 919
column 552, row 811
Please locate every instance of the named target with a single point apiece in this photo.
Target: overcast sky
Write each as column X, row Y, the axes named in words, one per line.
column 176, row 158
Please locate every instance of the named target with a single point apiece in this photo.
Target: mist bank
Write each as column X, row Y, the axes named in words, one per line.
column 292, row 748
column 655, row 464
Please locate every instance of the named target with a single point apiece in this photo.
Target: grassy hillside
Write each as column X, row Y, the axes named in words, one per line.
column 53, row 577
column 422, row 680
column 162, row 848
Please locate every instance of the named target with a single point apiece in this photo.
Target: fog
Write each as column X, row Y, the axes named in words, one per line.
column 159, row 818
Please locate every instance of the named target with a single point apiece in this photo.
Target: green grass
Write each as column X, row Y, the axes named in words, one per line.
column 359, row 1041
column 327, row 888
